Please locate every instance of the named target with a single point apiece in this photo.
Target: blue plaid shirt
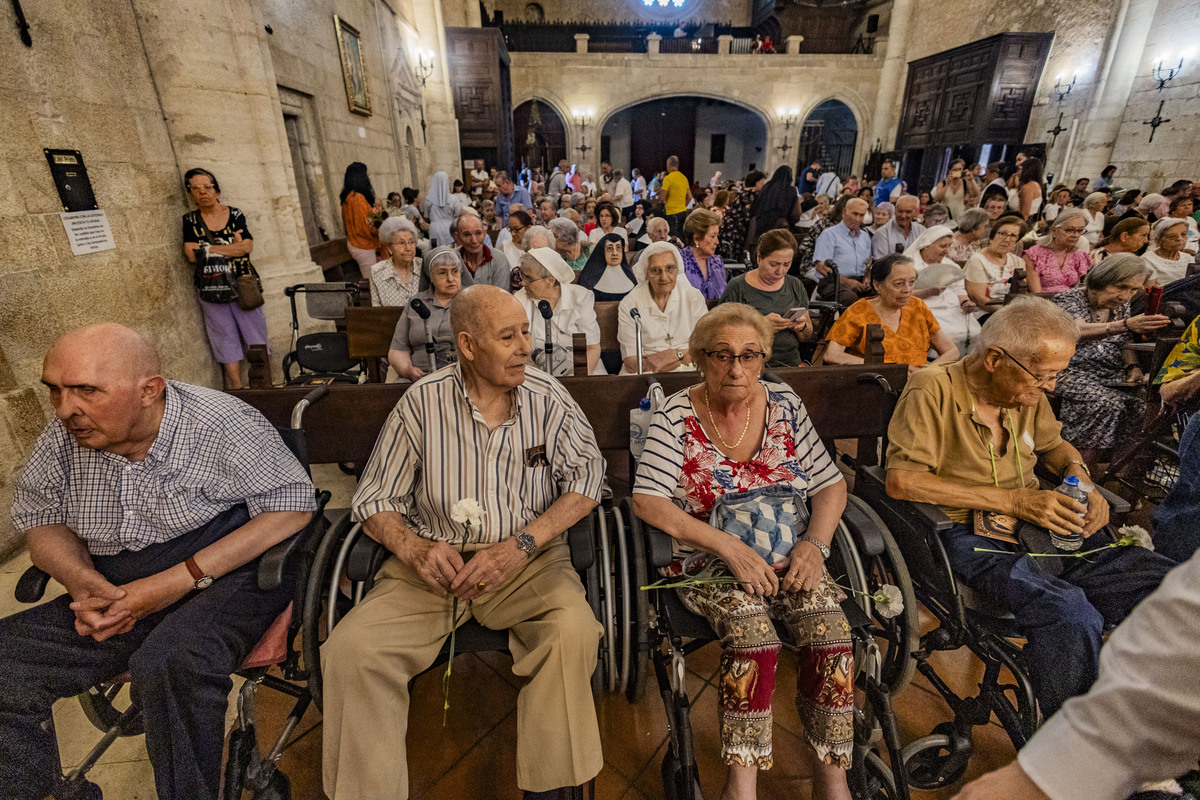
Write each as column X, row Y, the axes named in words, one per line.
column 212, row 452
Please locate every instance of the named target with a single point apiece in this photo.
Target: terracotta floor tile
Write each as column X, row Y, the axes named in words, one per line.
column 487, row 770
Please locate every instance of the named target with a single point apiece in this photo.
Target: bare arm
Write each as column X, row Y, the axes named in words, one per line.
column 978, row 292
column 939, row 192
column 240, row 247
column 1028, row 193
column 1031, row 275
column 1178, row 391
column 947, row 351
column 401, row 361
column 836, row 354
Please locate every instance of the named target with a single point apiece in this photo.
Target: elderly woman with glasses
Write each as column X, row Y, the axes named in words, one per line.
column 547, row 278
column 988, row 271
column 1055, row 264
column 735, row 433
column 397, row 278
column 1098, row 407
column 408, row 355
column 668, row 307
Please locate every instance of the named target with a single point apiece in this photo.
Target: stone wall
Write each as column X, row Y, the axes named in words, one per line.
column 608, row 83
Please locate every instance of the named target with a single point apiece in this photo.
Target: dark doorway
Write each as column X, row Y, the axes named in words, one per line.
column 541, row 138
column 829, row 134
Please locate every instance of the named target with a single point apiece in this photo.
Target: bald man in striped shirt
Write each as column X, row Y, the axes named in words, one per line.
column 492, row 429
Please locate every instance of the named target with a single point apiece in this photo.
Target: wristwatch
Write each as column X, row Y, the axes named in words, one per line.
column 679, row 354
column 817, row 543
column 526, row 544
column 202, row 580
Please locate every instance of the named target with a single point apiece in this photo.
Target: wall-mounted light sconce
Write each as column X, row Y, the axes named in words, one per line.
column 1063, row 89
column 789, row 117
column 583, row 117
column 1164, row 75
column 424, row 69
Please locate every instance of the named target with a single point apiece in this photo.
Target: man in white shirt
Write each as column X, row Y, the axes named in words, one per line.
column 495, row 430
column 829, row 184
column 622, row 194
column 1137, row 725
column 480, row 178
column 639, row 185
column 901, row 230
column 557, row 186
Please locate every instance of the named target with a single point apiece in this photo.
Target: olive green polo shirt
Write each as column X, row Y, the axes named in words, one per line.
column 935, row 428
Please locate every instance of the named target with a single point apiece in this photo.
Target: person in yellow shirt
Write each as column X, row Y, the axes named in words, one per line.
column 675, row 194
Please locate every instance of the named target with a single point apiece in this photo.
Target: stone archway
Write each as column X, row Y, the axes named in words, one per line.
column 709, row 134
column 829, row 133
column 540, row 135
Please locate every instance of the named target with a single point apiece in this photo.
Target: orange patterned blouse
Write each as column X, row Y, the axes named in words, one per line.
column 908, row 345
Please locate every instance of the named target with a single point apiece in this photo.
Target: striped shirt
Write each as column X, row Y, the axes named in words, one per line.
column 436, row 449
column 681, row 464
column 212, row 452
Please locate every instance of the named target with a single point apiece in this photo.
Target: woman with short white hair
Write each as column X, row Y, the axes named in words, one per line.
column 1093, row 209
column 395, row 279
column 548, row 278
column 1166, row 256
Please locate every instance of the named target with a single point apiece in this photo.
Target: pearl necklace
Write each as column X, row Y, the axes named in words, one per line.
column 717, row 430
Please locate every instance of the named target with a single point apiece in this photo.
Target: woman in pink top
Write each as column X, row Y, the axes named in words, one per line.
column 1053, row 264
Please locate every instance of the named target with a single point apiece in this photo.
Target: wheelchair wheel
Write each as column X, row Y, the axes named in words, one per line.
column 609, row 646
column 876, row 781
column 897, row 636
column 592, row 590
column 314, row 602
column 636, row 576
column 99, row 705
column 938, row 760
column 1014, row 703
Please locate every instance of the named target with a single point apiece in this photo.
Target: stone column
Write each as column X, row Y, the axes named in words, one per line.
column 1110, row 94
column 724, row 44
column 213, row 73
column 652, row 44
column 890, row 97
column 581, row 42
column 793, row 45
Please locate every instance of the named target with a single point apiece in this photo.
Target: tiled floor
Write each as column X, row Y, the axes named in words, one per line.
column 472, row 756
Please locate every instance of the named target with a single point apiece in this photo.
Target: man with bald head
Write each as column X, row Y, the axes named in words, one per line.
column 150, row 501
column 493, row 429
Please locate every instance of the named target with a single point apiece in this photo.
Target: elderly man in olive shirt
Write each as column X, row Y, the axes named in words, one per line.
column 966, row 437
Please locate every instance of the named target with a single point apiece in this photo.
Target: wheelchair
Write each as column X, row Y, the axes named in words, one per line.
column 247, row 767
column 343, row 571
column 654, row 630
column 323, row 356
column 965, row 619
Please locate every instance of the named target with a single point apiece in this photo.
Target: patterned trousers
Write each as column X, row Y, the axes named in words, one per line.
column 824, row 676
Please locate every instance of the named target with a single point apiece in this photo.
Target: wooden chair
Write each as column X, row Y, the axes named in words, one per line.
column 334, row 259
column 369, row 332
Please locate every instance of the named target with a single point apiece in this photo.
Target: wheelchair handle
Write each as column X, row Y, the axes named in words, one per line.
column 309, row 399
column 875, row 377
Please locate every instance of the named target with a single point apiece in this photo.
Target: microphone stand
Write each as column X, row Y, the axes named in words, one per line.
column 547, row 314
column 637, row 326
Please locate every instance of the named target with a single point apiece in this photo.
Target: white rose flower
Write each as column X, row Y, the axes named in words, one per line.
column 467, row 512
column 889, row 601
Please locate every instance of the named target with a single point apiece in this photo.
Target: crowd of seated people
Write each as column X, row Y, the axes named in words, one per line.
column 967, row 343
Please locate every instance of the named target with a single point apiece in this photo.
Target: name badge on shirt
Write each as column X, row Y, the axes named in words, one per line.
column 536, row 457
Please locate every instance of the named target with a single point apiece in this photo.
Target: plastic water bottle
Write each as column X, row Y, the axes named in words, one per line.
column 1071, row 488
column 639, row 427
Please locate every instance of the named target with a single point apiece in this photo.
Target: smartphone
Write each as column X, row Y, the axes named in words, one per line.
column 956, row 173
column 795, row 313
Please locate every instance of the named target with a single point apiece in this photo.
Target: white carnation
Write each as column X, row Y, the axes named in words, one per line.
column 1136, row 535
column 467, row 512
column 889, row 601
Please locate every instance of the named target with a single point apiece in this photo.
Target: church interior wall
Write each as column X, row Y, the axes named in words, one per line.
column 745, row 137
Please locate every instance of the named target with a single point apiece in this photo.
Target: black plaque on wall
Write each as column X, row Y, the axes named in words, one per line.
column 71, row 180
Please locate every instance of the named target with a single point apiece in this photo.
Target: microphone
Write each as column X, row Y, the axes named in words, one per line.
column 547, row 313
column 424, row 313
column 637, row 325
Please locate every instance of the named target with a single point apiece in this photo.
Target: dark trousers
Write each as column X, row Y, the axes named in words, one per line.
column 676, row 222
column 845, row 295
column 180, row 660
column 1062, row 617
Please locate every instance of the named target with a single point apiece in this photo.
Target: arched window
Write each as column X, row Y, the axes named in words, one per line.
column 535, row 13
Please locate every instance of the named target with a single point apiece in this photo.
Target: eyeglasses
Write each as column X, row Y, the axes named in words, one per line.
column 207, row 187
column 725, row 358
column 1003, row 235
column 658, row 272
column 1072, row 230
column 617, row 246
column 1037, row 380
column 530, row 279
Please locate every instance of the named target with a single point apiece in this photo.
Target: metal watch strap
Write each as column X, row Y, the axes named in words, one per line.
column 824, row 548
column 526, row 543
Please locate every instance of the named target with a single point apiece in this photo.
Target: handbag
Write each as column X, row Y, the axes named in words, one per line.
column 212, row 279
column 770, row 519
column 245, row 288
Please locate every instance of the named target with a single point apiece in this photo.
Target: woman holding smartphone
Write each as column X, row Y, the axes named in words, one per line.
column 958, row 191
column 775, row 294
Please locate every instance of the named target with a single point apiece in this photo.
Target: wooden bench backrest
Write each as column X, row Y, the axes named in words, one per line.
column 369, row 329
column 331, row 257
column 606, row 318
column 343, row 426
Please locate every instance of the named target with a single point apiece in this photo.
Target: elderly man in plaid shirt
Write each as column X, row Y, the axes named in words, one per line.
column 150, row 501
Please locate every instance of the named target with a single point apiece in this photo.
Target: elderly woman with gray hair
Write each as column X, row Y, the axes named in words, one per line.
column 407, row 355
column 570, row 243
column 547, row 278
column 1054, row 264
column 668, row 306
column 1098, row 406
column 397, row 278
column 970, row 237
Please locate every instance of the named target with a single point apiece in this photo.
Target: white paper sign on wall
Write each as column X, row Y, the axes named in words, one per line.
column 88, row 231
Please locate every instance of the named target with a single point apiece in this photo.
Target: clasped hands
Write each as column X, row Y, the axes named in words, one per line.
column 443, row 568
column 103, row 610
column 802, row 570
column 1059, row 513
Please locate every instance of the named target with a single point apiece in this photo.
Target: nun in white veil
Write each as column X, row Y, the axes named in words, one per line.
column 441, row 209
column 940, row 284
column 573, row 310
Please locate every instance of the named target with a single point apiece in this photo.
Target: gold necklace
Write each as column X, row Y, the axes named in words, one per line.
column 717, row 430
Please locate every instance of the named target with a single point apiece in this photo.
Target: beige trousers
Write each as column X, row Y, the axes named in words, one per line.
column 395, row 633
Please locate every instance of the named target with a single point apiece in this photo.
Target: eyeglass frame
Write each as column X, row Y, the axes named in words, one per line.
column 719, row 356
column 1038, row 382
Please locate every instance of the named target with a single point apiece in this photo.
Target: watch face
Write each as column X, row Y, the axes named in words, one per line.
column 204, row 582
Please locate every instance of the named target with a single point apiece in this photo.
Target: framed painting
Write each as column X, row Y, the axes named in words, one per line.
column 354, row 67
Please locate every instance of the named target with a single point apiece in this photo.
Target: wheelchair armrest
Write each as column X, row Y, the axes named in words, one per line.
column 273, row 562
column 365, row 558
column 32, row 585
column 660, row 548
column 1117, row 505
column 581, row 539
column 930, row 514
